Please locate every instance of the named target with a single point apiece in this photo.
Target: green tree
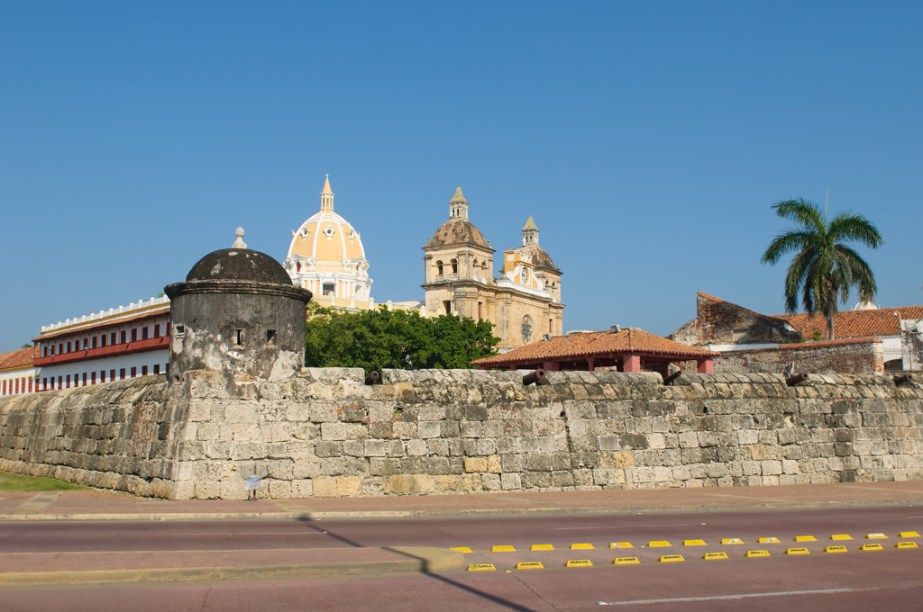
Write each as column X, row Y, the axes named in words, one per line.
column 398, row 339
column 824, row 268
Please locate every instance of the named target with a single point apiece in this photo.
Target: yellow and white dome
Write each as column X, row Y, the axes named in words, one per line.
column 326, row 257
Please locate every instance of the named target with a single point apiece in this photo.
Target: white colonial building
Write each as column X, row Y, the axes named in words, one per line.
column 112, row 344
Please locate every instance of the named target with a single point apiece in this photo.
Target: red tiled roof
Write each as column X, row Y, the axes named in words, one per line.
column 591, row 344
column 855, row 323
column 16, row 359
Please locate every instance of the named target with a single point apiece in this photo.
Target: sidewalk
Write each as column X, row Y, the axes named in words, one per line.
column 23, row 569
column 103, row 505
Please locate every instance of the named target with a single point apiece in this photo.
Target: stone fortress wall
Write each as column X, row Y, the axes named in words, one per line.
column 323, row 432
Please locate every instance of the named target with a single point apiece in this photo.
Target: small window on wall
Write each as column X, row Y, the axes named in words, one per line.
column 143, row 370
column 328, row 289
column 238, row 337
column 156, row 368
column 112, row 338
column 134, row 371
column 454, row 266
column 156, row 330
column 179, row 330
column 93, row 343
column 271, row 336
column 447, row 305
column 144, row 332
column 121, row 373
column 112, row 374
column 122, row 337
column 439, row 268
column 134, row 334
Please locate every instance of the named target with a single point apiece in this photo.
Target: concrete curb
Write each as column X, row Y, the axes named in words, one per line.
column 408, row 560
column 449, row 513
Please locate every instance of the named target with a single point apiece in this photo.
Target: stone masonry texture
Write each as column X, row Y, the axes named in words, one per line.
column 324, row 433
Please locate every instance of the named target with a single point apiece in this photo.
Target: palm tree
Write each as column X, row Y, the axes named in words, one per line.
column 824, row 269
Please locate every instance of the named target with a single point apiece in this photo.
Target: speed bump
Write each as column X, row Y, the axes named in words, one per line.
column 867, row 547
column 875, row 536
column 805, row 538
column 731, row 541
column 626, row 561
column 671, row 559
column 694, row 543
column 503, row 548
column 579, row 563
column 462, row 549
column 909, row 534
column 757, row 553
column 714, row 556
column 797, row 551
column 769, row 540
column 659, row 544
column 840, row 536
column 582, row 546
column 621, row 545
column 482, row 567
column 529, row 565
column 542, row 547
column 906, row 545
column 835, row 549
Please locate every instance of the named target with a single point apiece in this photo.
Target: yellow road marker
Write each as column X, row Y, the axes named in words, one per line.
column 909, row 534
column 835, row 549
column 579, row 563
column 542, row 547
column 694, row 543
column 797, row 551
column 462, row 549
column 626, row 561
column 769, row 540
column 714, row 556
column 582, row 546
column 875, row 536
column 529, row 565
column 805, row 538
column 503, row 548
column 658, row 544
column 621, row 545
column 872, row 547
column 757, row 553
column 731, row 541
column 672, row 559
column 482, row 567
column 840, row 536
column 906, row 545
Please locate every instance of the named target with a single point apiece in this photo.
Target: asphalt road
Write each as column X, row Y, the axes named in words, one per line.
column 887, row 579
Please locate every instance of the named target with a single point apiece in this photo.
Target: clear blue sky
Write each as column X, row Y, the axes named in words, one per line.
column 648, row 140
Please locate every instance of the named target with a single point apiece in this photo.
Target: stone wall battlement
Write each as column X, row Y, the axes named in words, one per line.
column 323, row 432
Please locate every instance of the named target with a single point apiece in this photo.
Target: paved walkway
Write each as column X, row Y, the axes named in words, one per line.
column 20, row 569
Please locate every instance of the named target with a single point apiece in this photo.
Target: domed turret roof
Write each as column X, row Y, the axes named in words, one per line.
column 239, row 265
column 326, row 236
column 456, row 231
column 540, row 257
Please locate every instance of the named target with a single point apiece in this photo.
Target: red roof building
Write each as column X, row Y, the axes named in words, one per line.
column 17, row 374
column 627, row 350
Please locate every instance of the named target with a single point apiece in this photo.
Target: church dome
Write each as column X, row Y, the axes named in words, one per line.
column 457, row 231
column 541, row 258
column 326, row 256
column 326, row 236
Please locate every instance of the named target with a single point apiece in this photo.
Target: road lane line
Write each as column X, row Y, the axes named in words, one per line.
column 641, row 602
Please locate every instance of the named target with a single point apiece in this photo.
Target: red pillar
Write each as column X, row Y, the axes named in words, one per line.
column 706, row 366
column 589, row 364
column 631, row 363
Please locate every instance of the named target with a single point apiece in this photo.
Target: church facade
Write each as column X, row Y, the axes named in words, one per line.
column 524, row 303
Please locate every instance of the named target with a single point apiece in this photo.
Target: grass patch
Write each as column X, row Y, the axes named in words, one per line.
column 12, row 483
